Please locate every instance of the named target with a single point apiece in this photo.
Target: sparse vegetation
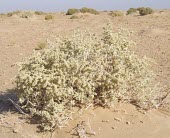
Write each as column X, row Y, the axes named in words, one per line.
column 25, row 14
column 82, row 70
column 82, row 10
column 145, row 11
column 131, row 10
column 39, row 12
column 89, row 10
column 9, row 14
column 22, row 14
column 72, row 11
column 49, row 17
column 116, row 13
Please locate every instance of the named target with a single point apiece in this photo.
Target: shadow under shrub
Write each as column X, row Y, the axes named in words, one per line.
column 80, row 70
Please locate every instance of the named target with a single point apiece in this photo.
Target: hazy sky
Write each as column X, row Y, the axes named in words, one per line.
column 63, row 5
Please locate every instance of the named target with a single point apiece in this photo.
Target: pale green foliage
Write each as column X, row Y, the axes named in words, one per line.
column 80, row 70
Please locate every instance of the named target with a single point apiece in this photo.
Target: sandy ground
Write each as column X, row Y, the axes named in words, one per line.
column 18, row 38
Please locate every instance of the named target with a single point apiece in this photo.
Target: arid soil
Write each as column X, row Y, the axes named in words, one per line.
column 18, row 38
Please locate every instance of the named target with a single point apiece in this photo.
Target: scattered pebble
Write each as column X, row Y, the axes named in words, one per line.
column 105, row 121
column 124, row 111
column 15, row 130
column 117, row 119
column 113, row 127
column 141, row 121
column 128, row 123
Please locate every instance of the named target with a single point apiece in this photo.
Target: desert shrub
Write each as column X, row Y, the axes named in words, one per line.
column 49, row 17
column 89, row 10
column 17, row 12
column 72, row 11
column 41, row 46
column 74, row 17
column 145, row 11
column 131, row 10
column 140, row 8
column 26, row 14
column 13, row 13
column 39, row 12
column 116, row 13
column 9, row 14
column 81, row 70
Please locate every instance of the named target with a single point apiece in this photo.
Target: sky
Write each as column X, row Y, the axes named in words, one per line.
column 63, row 5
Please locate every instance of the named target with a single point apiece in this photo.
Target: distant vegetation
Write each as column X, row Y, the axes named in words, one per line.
column 9, row 14
column 89, row 10
column 25, row 14
column 142, row 10
column 145, row 11
column 82, row 10
column 131, row 10
column 39, row 12
column 116, row 13
column 49, row 17
column 22, row 14
column 72, row 11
